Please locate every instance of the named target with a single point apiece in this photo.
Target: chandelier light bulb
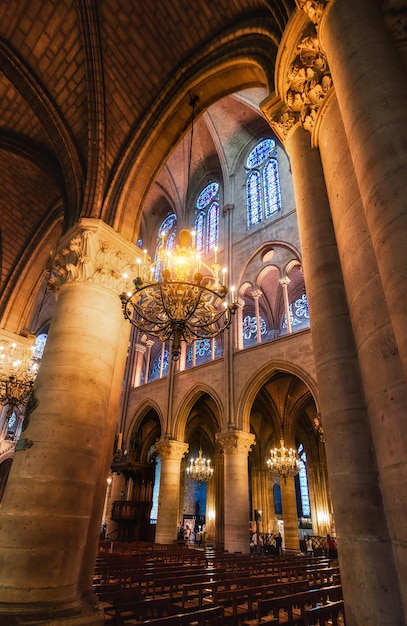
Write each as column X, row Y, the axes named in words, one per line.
column 283, row 461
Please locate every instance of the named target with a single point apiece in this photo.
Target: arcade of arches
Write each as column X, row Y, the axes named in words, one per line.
column 294, row 180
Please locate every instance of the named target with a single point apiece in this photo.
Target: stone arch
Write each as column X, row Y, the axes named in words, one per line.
column 258, row 380
column 135, row 424
column 188, row 402
column 242, row 59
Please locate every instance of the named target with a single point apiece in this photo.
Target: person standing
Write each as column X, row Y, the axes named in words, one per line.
column 309, row 546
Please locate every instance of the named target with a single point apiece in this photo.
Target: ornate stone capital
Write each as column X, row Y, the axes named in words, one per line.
column 235, row 441
column 308, row 81
column 171, row 449
column 93, row 252
column 284, row 281
column 313, row 8
column 280, row 118
column 257, row 293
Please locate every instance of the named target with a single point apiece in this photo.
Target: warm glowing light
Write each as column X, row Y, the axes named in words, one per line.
column 283, row 461
column 178, row 297
column 199, row 468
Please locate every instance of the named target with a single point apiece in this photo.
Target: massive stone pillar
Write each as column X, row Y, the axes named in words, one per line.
column 56, row 487
column 383, row 379
column 290, row 515
column 171, row 453
column 236, row 445
column 371, row 87
column 364, row 545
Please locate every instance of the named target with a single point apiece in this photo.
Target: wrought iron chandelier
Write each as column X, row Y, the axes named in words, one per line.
column 178, row 297
column 199, row 469
column 18, row 370
column 283, row 461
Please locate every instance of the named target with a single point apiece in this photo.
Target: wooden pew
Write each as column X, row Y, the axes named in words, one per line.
column 328, row 614
column 212, row 616
column 296, row 605
column 135, row 609
column 243, row 602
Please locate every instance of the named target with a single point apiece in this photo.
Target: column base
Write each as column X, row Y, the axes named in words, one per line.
column 89, row 618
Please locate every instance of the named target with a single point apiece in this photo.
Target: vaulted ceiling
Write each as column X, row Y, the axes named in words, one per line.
column 95, row 109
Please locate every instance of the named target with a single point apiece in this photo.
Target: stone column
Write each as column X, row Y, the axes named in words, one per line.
column 239, row 324
column 56, row 487
column 383, row 379
column 284, row 282
column 171, row 453
column 290, row 515
column 319, row 499
column 140, row 350
column 364, row 545
column 256, row 296
column 371, row 87
column 236, row 445
column 149, row 344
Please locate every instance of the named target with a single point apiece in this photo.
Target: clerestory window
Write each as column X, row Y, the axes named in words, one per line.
column 263, row 195
column 207, row 218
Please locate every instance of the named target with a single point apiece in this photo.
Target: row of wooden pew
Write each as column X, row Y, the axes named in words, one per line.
column 204, row 589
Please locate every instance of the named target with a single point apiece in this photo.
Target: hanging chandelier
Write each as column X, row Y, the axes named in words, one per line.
column 283, row 461
column 178, row 297
column 199, row 469
column 174, row 300
column 18, row 370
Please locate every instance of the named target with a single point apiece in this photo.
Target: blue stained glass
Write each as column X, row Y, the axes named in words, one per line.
column 260, row 153
column 199, row 231
column 170, row 245
column 39, row 345
column 207, row 194
column 168, row 224
column 271, row 184
column 303, row 479
column 301, row 307
column 253, row 199
column 250, row 326
column 156, row 367
column 212, row 227
column 299, row 313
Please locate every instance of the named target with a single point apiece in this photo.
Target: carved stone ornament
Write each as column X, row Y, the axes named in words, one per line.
column 235, row 441
column 308, row 81
column 94, row 252
column 313, row 8
column 395, row 17
column 171, row 449
column 279, row 117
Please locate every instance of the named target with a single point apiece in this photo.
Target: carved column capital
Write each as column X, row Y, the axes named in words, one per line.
column 171, row 449
column 313, row 8
column 308, row 81
column 235, row 441
column 280, row 118
column 284, row 281
column 257, row 293
column 93, row 252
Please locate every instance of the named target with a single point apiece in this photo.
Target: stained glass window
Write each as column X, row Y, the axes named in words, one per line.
column 203, row 351
column 39, row 345
column 253, row 191
column 303, row 482
column 200, row 232
column 263, row 195
column 212, row 226
column 207, row 219
column 299, row 314
column 250, row 327
column 271, row 187
column 166, row 235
